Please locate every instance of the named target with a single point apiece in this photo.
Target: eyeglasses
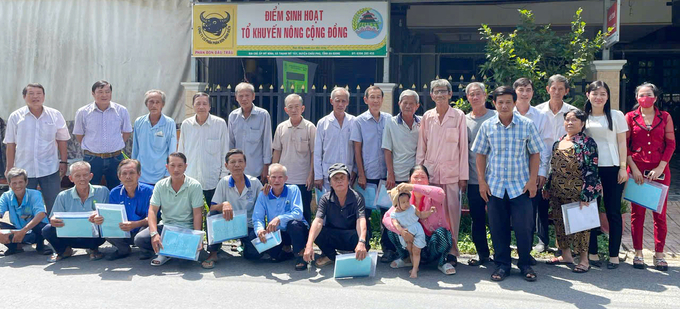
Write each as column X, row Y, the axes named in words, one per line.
column 438, row 92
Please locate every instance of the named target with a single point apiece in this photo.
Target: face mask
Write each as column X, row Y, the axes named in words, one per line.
column 646, row 102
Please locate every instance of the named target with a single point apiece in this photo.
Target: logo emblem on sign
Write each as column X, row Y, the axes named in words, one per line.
column 367, row 23
column 214, row 27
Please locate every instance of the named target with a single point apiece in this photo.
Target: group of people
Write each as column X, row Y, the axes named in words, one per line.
column 519, row 162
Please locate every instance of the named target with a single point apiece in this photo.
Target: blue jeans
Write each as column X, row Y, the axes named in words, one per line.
column 104, row 167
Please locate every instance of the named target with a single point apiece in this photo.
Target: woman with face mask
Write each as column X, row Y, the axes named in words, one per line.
column 651, row 143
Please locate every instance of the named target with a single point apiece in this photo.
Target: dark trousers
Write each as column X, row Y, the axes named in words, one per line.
column 503, row 211
column 385, row 242
column 331, row 239
column 295, row 235
column 478, row 215
column 60, row 244
column 35, row 237
column 542, row 224
column 104, row 167
column 50, row 186
column 306, row 203
column 123, row 244
column 208, row 195
column 611, row 196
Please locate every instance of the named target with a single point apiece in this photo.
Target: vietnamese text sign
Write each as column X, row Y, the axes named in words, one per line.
column 335, row 29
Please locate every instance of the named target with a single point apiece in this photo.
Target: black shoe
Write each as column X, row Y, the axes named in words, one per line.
column 388, row 256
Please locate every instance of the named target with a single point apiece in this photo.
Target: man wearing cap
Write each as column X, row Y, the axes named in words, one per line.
column 340, row 222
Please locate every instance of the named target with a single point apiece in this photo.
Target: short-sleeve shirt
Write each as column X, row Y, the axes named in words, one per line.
column 296, row 144
column 556, row 120
column 597, row 127
column 402, row 141
column 253, row 135
column 226, row 191
column 177, row 207
column 102, row 130
column 473, row 125
column 205, row 145
column 338, row 217
column 136, row 208
column 332, row 145
column 69, row 200
column 20, row 215
column 151, row 145
column 369, row 133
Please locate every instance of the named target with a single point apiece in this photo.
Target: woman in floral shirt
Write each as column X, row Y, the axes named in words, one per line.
column 573, row 177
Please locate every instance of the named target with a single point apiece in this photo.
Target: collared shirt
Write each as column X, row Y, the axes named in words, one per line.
column 597, row 128
column 69, row 200
column 20, row 215
column 287, row 207
column 136, row 208
column 343, row 217
column 369, row 133
column 102, row 130
column 507, row 150
column 245, row 201
column 177, row 207
column 443, row 147
column 556, row 120
column 545, row 129
column 206, row 147
column 253, row 135
column 332, row 145
column 296, row 144
column 473, row 125
column 402, row 141
column 651, row 144
column 36, row 140
column 151, row 145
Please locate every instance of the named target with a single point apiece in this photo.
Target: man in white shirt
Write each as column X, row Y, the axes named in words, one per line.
column 524, row 88
column 205, row 142
column 555, row 108
column 36, row 138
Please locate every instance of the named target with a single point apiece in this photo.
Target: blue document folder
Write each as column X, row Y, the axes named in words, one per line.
column 76, row 225
column 346, row 265
column 382, row 198
column 220, row 229
column 273, row 240
column 319, row 194
column 114, row 215
column 181, row 243
column 368, row 194
column 650, row 194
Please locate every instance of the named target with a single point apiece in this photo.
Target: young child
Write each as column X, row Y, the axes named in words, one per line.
column 405, row 218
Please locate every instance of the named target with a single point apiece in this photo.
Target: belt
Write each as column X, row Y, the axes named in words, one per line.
column 103, row 155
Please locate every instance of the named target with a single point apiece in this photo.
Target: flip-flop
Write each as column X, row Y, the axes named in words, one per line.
column 208, row 264
column 446, row 267
column 529, row 274
column 581, row 269
column 58, row 257
column 638, row 262
column 159, row 260
column 326, row 262
column 478, row 262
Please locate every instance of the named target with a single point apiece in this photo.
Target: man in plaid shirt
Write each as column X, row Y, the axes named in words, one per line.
column 512, row 145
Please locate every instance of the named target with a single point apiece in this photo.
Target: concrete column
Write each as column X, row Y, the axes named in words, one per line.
column 190, row 89
column 609, row 71
column 388, row 97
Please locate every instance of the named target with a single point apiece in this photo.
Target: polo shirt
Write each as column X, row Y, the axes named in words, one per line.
column 136, row 208
column 369, row 133
column 296, row 144
column 151, row 145
column 20, row 215
column 287, row 207
column 253, row 135
column 226, row 191
column 402, row 141
column 339, row 217
column 177, row 207
column 69, row 200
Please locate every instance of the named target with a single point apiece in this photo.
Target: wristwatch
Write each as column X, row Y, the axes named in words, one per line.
column 152, row 234
column 362, row 241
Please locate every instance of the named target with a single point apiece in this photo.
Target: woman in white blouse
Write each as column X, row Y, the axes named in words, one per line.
column 608, row 128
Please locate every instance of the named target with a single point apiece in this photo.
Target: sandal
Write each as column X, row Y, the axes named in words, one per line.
column 95, row 255
column 638, row 262
column 399, row 263
column 324, row 262
column 452, row 259
column 209, row 263
column 58, row 257
column 558, row 261
column 499, row 274
column 529, row 274
column 478, row 262
column 660, row 264
column 159, row 260
column 580, row 269
column 300, row 264
column 447, row 269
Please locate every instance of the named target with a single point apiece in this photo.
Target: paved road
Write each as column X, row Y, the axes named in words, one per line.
column 79, row 283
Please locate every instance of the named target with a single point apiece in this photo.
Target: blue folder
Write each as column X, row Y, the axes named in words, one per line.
column 113, row 215
column 649, row 194
column 220, row 229
column 368, row 194
column 382, row 198
column 76, row 225
column 181, row 243
column 346, row 265
column 273, row 240
column 319, row 194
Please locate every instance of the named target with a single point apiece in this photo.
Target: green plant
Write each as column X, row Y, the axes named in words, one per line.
column 537, row 52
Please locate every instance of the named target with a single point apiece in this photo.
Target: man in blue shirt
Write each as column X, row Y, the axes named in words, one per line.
column 154, row 137
column 282, row 208
column 26, row 214
column 513, row 147
column 135, row 196
column 81, row 198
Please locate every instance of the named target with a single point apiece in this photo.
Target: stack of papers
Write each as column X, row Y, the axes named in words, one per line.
column 181, row 243
column 346, row 265
column 273, row 240
column 114, row 215
column 76, row 225
column 577, row 219
column 650, row 194
column 220, row 229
